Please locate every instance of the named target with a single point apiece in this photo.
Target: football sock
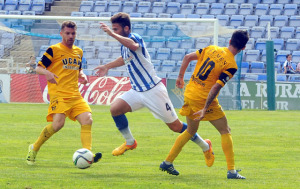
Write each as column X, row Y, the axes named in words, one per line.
column 196, row 139
column 46, row 133
column 122, row 124
column 227, row 146
column 86, row 136
column 181, row 140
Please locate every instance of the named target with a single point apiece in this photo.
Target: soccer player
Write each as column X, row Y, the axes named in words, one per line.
column 215, row 67
column 147, row 88
column 61, row 65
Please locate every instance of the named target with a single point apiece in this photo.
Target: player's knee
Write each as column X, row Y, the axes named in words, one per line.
column 58, row 125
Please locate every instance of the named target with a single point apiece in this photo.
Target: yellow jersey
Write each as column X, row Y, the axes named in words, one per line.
column 214, row 65
column 66, row 64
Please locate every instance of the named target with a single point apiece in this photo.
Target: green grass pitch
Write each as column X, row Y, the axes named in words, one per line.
column 266, row 144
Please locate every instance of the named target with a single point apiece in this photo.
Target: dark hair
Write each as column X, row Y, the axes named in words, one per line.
column 239, row 39
column 68, row 24
column 288, row 55
column 121, row 18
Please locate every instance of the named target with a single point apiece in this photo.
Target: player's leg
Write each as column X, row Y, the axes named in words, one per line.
column 47, row 132
column 227, row 145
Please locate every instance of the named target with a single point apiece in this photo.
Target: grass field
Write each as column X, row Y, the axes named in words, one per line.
column 266, row 143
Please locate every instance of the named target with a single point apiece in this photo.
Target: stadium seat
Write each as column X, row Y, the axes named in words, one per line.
column 82, row 28
column 281, row 55
column 274, row 31
column 173, row 7
column 158, row 41
column 1, row 4
column 257, row 67
column 284, row 1
column 294, row 78
column 290, row 9
column 265, row 19
column 236, row 20
column 105, row 14
column 178, row 15
column 54, row 41
column 187, row 9
column 100, row 6
column 152, row 52
column 210, row 1
column 297, row 34
column 143, row 6
column 42, row 50
column 163, row 53
column 147, row 40
column 135, row 15
column 280, row 20
column 257, row 32
column 85, row 40
column 173, row 42
column 139, row 28
column 217, row 8
column 159, row 7
column 296, row 56
column 10, row 5
column 275, row 9
column 268, row 1
column 293, row 44
column 129, row 6
column 150, row 15
column 28, row 22
column 246, row 9
column 89, row 51
column 251, row 20
column 261, row 9
column 260, row 44
column 254, row 2
column 239, row 1
column 224, row 1
column 114, row 6
column 250, row 44
column 86, row 6
column 156, row 64
column 77, row 14
column 231, row 9
column 287, row 32
column 168, row 30
column 245, row 67
column 281, row 78
column 221, row 42
column 14, row 21
column 262, row 77
column 168, row 66
column 223, row 19
column 202, row 8
column 278, row 44
column 201, row 43
column 107, row 60
column 154, row 30
column 294, row 21
column 177, row 54
column 24, row 5
column 38, row 6
column 196, row 16
column 104, row 53
column 95, row 30
column 251, row 55
column 115, row 52
column 183, row 30
column 187, row 43
column 277, row 67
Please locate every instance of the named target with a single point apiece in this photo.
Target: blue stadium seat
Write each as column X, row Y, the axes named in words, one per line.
column 260, row 44
column 254, row 2
column 38, row 6
column 297, row 34
column 210, row 1
column 82, row 28
column 139, row 28
column 280, row 20
column 104, row 53
column 178, row 15
column 159, row 7
column 207, row 16
column 114, row 6
column 296, row 56
column 144, row 6
column 177, row 54
column 231, row 9
column 24, row 5
column 202, row 8
column 265, row 19
column 187, row 9
column 135, row 15
column 163, row 53
column 277, row 67
column 261, row 9
column 276, row 9
column 28, row 22
column 223, row 19
column 293, row 44
column 246, row 9
column 183, row 30
column 85, row 40
column 245, row 67
column 150, row 15
column 281, row 78
column 187, row 43
column 42, row 50
column 156, row 64
column 221, row 42
column 278, row 44
column 251, row 55
column 294, row 21
column 224, row 1
column 100, row 6
column 158, row 41
column 173, row 7
column 236, row 20
column 274, row 31
column 290, row 9
column 115, row 52
column 14, row 21
column 217, row 8
column 10, row 5
column 202, row 42
column 1, row 4
column 287, row 32
column 257, row 32
column 196, row 16
column 129, row 6
column 284, row 1
column 251, row 20
column 77, row 14
column 281, row 55
column 262, row 77
column 105, row 14
column 250, row 44
column 168, row 66
column 154, row 30
column 173, row 42
column 95, row 30
column 294, row 78
column 257, row 67
column 168, row 30
column 86, row 6
column 268, row 1
column 152, row 52
column 54, row 41
column 89, row 51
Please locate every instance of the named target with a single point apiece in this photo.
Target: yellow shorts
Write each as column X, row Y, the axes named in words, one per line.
column 71, row 107
column 189, row 107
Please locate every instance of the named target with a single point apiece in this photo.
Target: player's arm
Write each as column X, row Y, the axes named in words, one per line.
column 82, row 77
column 103, row 69
column 44, row 63
column 49, row 75
column 185, row 63
column 284, row 67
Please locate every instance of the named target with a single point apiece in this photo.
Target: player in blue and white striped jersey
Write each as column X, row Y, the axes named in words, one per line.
column 147, row 88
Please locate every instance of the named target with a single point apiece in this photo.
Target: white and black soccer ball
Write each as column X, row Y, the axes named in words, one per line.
column 83, row 158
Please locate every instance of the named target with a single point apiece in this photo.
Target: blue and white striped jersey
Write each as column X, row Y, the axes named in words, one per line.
column 138, row 64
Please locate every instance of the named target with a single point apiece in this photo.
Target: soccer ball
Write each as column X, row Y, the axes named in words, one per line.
column 83, row 158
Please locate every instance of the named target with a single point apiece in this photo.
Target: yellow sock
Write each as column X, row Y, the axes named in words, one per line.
column 181, row 140
column 86, row 136
column 46, row 133
column 227, row 146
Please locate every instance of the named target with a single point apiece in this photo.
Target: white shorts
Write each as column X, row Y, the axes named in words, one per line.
column 156, row 100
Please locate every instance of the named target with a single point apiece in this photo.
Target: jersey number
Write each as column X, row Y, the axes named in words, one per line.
column 168, row 107
column 205, row 69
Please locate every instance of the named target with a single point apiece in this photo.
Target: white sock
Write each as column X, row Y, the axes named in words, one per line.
column 127, row 136
column 167, row 162
column 233, row 171
column 198, row 140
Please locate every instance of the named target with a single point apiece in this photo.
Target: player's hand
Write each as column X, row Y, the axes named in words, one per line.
column 179, row 83
column 51, row 77
column 101, row 70
column 200, row 115
column 105, row 28
column 83, row 79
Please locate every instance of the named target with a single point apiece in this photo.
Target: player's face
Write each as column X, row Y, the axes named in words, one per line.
column 68, row 36
column 117, row 28
column 289, row 58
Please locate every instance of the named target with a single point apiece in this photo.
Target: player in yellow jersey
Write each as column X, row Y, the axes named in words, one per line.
column 215, row 67
column 61, row 65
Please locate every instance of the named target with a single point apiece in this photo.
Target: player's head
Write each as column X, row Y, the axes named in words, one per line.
column 239, row 39
column 289, row 57
column 121, row 24
column 68, row 33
